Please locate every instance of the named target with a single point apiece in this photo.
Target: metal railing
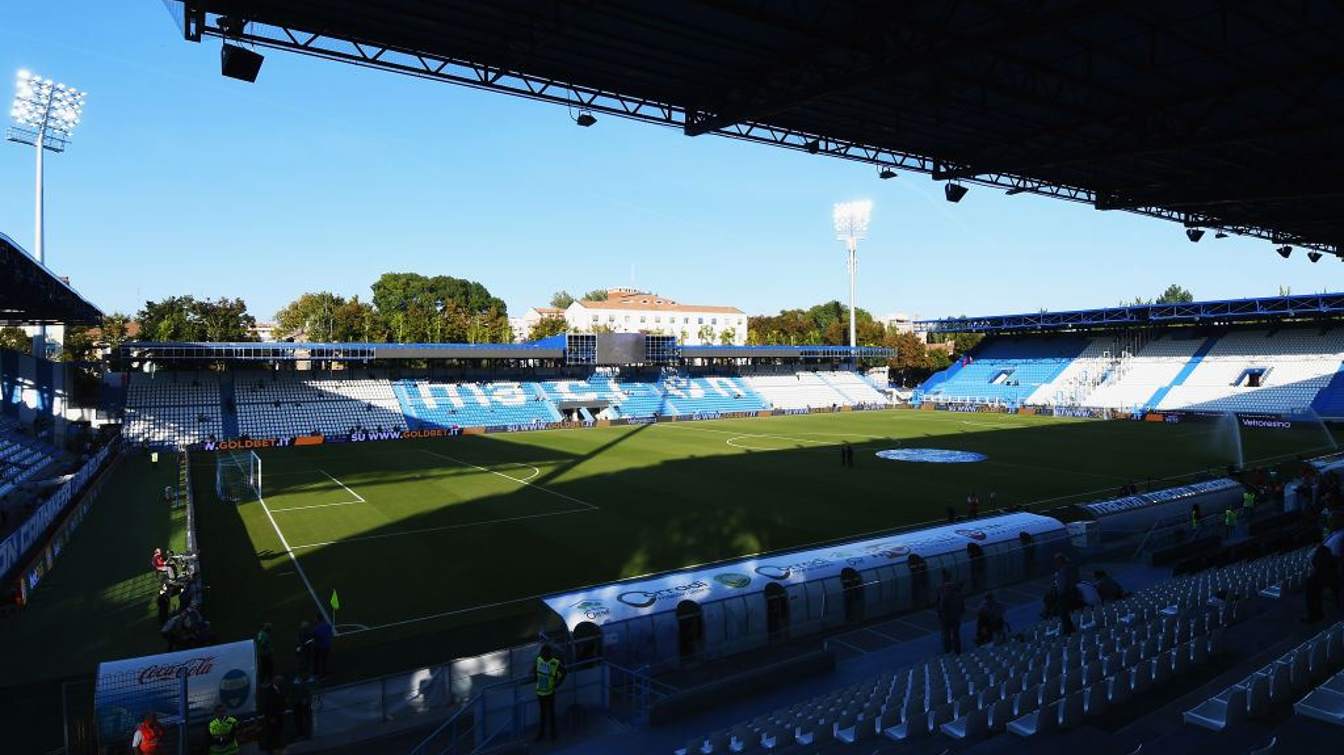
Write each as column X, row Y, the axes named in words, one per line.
column 505, row 710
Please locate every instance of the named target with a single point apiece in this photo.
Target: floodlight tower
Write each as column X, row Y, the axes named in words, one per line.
column 45, row 114
column 851, row 224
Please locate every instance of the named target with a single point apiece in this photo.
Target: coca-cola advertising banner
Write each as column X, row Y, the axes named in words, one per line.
column 215, row 675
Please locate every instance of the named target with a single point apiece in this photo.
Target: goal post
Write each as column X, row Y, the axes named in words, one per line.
column 237, row 475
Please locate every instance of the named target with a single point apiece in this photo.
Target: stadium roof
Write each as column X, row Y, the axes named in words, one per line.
column 1267, row 309
column 1215, row 114
column 30, row 294
column 553, row 348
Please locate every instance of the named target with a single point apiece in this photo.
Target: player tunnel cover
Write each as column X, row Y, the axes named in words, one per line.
column 620, row 601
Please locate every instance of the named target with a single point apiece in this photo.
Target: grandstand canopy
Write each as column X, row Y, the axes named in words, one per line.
column 30, row 294
column 1267, row 309
column 555, row 348
column 1215, row 114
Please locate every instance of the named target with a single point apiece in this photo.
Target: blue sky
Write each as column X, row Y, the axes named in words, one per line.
column 321, row 176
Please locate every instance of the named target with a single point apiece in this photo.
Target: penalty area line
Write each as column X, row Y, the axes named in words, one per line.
column 322, row 609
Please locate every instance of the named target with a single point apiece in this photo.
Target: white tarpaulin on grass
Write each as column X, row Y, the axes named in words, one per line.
column 620, row 601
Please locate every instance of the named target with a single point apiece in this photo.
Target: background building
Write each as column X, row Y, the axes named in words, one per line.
column 629, row 311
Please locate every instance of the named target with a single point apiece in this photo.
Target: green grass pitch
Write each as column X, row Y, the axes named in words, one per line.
column 449, row 541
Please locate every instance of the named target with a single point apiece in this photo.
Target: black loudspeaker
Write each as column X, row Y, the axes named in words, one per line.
column 239, row 62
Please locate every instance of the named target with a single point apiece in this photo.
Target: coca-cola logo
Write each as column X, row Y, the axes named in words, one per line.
column 190, row 667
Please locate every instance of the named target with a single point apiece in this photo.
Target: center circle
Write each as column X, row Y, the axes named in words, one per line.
column 931, row 455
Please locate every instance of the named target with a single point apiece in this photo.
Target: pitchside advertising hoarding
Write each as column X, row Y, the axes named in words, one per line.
column 216, row 675
column 1258, row 421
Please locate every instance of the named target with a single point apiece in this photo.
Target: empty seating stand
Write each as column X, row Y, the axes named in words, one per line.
column 1027, row 688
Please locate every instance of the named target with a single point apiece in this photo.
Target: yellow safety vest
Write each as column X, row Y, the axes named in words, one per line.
column 222, row 739
column 1230, row 517
column 548, row 673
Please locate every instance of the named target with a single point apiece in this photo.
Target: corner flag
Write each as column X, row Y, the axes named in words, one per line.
column 335, row 601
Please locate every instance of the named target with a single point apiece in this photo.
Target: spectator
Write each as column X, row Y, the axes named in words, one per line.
column 265, row 653
column 1194, row 519
column 157, row 561
column 1066, row 591
column 1230, row 521
column 1107, row 587
column 989, row 623
column 547, row 674
column 223, row 730
column 972, row 506
column 272, row 698
column 1324, row 575
column 301, row 703
column 322, row 637
column 164, row 604
column 147, row 734
column 951, row 607
column 303, row 649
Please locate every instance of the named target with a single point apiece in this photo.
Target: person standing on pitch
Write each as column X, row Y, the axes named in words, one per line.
column 548, row 673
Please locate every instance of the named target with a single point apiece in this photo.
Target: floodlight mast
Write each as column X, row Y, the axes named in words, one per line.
column 851, row 224
column 45, row 114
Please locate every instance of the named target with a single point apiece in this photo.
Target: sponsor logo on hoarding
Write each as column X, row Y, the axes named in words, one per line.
column 1269, row 422
column 199, row 666
column 242, row 444
column 784, row 571
column 646, row 598
column 592, row 609
column 360, row 436
column 234, row 688
column 733, row 580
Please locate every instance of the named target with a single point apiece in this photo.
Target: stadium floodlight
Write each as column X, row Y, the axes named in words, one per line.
column 813, row 147
column 886, row 173
column 586, row 119
column 1284, row 251
column 1194, row 234
column 44, row 114
column 954, row 192
column 1314, row 256
column 1220, row 235
column 851, row 224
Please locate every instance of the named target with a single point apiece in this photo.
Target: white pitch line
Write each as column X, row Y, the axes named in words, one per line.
column 557, row 494
column 316, row 506
column 444, row 528
column 343, row 485
column 295, row 560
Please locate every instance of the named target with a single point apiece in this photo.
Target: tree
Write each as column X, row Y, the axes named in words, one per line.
column 597, row 294
column 726, row 336
column 824, row 323
column 546, row 327
column 912, row 362
column 1175, row 295
column 440, row 308
column 561, row 299
column 15, row 339
column 706, row 334
column 185, row 318
column 325, row 317
column 115, row 329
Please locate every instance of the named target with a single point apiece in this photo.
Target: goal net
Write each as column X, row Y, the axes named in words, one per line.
column 238, row 475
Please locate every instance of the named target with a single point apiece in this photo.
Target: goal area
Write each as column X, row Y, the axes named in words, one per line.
column 237, row 475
